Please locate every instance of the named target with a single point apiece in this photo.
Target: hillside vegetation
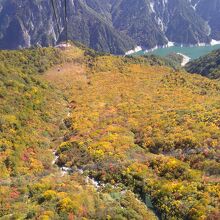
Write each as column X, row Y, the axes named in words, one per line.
column 31, row 128
column 27, row 119
column 208, row 65
column 147, row 133
column 150, row 128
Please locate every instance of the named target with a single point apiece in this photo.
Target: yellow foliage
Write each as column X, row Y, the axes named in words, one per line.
column 47, row 215
column 50, row 194
column 36, row 166
column 68, row 205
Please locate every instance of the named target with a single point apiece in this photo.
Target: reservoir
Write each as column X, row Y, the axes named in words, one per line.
column 192, row 52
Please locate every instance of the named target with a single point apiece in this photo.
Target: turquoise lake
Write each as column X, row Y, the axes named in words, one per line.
column 192, row 52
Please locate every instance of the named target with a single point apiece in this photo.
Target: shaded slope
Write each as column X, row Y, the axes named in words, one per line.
column 208, row 65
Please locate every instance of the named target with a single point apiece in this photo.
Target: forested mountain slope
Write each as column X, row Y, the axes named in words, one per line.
column 143, row 132
column 208, row 65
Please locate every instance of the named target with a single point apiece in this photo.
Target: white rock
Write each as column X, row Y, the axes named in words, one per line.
column 186, row 59
column 214, row 42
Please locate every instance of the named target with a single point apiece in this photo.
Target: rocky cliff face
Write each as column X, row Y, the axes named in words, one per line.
column 210, row 11
column 24, row 23
column 153, row 22
column 109, row 25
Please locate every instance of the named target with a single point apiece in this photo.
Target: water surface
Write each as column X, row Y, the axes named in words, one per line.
column 193, row 52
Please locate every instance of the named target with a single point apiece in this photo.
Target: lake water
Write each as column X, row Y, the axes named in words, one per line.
column 192, row 52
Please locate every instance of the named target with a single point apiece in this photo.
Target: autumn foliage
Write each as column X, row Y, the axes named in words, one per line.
column 148, row 133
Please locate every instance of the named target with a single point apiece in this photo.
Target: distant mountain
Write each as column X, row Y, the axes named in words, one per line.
column 153, row 23
column 208, row 65
column 210, row 12
column 24, row 23
column 109, row 25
